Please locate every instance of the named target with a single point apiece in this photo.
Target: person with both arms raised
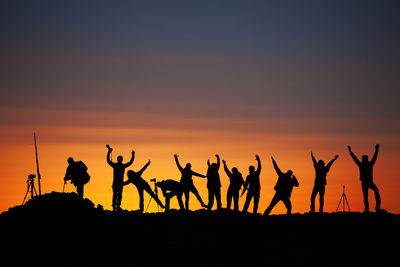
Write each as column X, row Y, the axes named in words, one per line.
column 187, row 182
column 118, row 177
column 366, row 176
column 320, row 181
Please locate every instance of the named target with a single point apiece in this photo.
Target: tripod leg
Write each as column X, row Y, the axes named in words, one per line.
column 345, row 198
column 27, row 191
column 34, row 189
column 339, row 203
column 148, row 204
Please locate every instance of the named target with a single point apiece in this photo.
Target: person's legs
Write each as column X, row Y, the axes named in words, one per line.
column 236, row 200
column 114, row 198
column 364, row 188
column 377, row 197
column 167, row 200
column 321, row 198
column 256, row 200
column 218, row 198
column 288, row 205
column 247, row 203
column 210, row 198
column 196, row 193
column 141, row 200
column 274, row 201
column 313, row 195
column 229, row 196
column 179, row 197
column 187, row 194
column 79, row 190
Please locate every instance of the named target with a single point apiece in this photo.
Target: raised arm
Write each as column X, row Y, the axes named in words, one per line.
column 218, row 162
column 353, row 156
column 375, row 154
column 313, row 159
column 129, row 163
column 278, row 171
column 198, row 174
column 328, row 166
column 258, row 164
column 108, row 157
column 177, row 163
column 208, row 163
column 228, row 172
column 144, row 168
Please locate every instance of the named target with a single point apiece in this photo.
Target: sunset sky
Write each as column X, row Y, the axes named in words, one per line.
column 197, row 78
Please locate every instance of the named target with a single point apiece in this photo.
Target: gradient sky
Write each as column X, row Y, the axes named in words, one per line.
column 198, row 78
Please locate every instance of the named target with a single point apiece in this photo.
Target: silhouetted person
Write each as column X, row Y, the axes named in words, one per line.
column 366, row 177
column 187, row 182
column 236, row 182
column 214, row 184
column 141, row 185
column 320, row 181
column 283, row 189
column 252, row 185
column 118, row 181
column 171, row 188
column 77, row 174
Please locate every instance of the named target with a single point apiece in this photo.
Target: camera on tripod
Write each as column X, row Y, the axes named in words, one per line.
column 30, row 187
column 31, row 177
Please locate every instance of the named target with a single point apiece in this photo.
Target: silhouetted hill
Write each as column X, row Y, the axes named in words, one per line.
column 59, row 229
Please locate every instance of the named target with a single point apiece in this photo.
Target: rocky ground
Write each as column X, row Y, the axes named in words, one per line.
column 59, row 229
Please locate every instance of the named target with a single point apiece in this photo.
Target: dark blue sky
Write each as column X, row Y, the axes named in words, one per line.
column 325, row 58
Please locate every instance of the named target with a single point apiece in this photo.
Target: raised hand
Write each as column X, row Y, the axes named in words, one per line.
column 377, row 146
column 349, row 148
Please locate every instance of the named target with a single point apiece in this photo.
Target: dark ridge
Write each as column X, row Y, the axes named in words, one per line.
column 61, row 230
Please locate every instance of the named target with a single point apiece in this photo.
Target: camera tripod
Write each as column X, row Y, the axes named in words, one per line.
column 30, row 187
column 343, row 199
column 155, row 191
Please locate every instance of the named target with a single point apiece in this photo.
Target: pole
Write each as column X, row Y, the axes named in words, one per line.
column 37, row 165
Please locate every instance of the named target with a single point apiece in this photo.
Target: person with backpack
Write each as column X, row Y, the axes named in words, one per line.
column 284, row 186
column 77, row 174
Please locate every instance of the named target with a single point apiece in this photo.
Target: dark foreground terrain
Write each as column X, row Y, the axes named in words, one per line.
column 59, row 230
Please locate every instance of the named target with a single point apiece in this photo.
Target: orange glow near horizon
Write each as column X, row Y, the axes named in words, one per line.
column 160, row 142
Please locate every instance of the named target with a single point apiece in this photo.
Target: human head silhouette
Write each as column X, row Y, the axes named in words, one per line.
column 364, row 158
column 188, row 166
column 289, row 173
column 214, row 165
column 235, row 170
column 120, row 159
column 70, row 160
column 252, row 169
column 131, row 174
column 321, row 163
